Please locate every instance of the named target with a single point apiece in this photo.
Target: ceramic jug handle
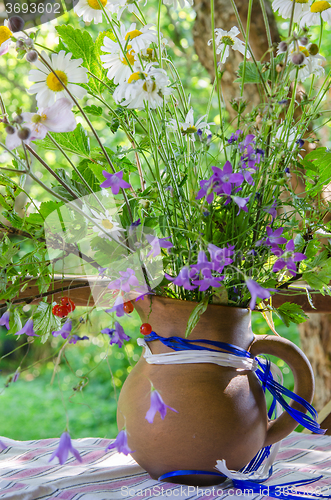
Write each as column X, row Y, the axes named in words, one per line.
column 303, row 380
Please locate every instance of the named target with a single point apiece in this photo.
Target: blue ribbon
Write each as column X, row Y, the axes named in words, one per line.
column 278, row 392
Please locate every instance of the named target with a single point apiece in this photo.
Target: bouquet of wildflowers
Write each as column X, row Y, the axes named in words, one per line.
column 224, row 213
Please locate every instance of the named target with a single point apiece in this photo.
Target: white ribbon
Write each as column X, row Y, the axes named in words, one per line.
column 221, row 359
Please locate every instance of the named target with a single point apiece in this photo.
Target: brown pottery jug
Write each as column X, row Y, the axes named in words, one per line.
column 222, row 412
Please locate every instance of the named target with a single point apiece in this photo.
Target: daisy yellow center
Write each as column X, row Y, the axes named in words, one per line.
column 38, row 118
column 227, row 40
column 319, row 6
column 53, row 83
column 304, row 51
column 94, row 4
column 107, row 224
column 129, row 57
column 132, row 34
column 190, row 130
column 134, row 77
column 5, row 34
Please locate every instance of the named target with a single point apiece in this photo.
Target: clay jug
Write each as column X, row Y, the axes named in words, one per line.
column 222, row 412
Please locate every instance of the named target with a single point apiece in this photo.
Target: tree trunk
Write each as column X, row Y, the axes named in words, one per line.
column 314, row 334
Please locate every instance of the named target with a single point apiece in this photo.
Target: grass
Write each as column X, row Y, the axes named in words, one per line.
column 32, row 408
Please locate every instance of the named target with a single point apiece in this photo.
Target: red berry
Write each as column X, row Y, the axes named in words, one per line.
column 68, row 303
column 63, row 311
column 128, row 307
column 145, row 329
column 55, row 310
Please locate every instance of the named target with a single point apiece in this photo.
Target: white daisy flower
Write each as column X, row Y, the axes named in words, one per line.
column 57, row 118
column 226, row 39
column 48, row 89
column 175, row 3
column 139, row 39
column 319, row 9
column 284, row 8
column 149, row 86
column 117, row 65
column 5, row 40
column 189, row 127
column 112, row 229
column 90, row 10
column 119, row 6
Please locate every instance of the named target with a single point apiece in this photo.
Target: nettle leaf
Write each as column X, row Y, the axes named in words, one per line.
column 75, row 142
column 93, row 110
column 44, row 321
column 318, row 162
column 91, row 172
column 15, row 322
column 291, row 313
column 80, row 43
column 318, row 278
column 252, row 74
column 77, row 187
column 195, row 316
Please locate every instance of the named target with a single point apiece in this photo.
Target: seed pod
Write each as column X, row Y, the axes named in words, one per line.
column 279, row 67
column 304, row 40
column 298, row 58
column 20, row 44
column 283, row 46
column 313, row 49
column 15, row 23
column 31, row 56
column 18, row 119
column 10, row 130
column 28, row 42
column 24, row 133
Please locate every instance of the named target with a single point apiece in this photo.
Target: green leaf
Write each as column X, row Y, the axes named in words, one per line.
column 88, row 171
column 44, row 321
column 291, row 313
column 4, row 203
column 195, row 316
column 251, row 73
column 93, row 110
column 75, row 142
column 15, row 322
column 80, row 43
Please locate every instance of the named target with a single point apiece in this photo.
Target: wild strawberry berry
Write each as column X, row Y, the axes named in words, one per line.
column 62, row 311
column 145, row 329
column 128, row 307
column 68, row 303
column 55, row 310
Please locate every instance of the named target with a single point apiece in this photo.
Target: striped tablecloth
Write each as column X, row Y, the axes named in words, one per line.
column 26, row 474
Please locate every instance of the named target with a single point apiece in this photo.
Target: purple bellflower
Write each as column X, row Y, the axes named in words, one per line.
column 202, row 263
column 241, row 202
column 4, row 320
column 65, row 446
column 157, row 244
column 120, row 443
column 235, row 136
column 256, row 290
column 206, row 190
column 183, row 278
column 220, row 257
column 274, row 237
column 114, row 181
column 124, row 283
column 208, row 280
column 27, row 329
column 65, row 330
column 225, row 178
column 16, row 375
column 117, row 334
column 3, row 446
column 74, row 338
column 157, row 405
column 272, row 209
column 288, row 258
column 102, row 271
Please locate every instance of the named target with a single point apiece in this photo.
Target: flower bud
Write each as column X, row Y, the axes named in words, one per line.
column 313, row 49
column 282, row 46
column 304, row 40
column 24, row 133
column 279, row 67
column 15, row 23
column 31, row 56
column 20, row 44
column 28, row 42
column 298, row 58
column 18, row 119
column 10, row 130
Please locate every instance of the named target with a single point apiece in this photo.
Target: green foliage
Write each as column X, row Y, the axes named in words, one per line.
column 76, row 142
column 319, row 275
column 195, row 316
column 291, row 313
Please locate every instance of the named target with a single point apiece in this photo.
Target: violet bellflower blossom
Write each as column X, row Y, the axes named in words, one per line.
column 208, row 280
column 157, row 405
column 65, row 330
column 274, row 237
column 157, row 244
column 114, row 181
column 183, row 278
column 27, row 329
column 74, row 338
column 256, row 290
column 241, row 202
column 235, row 136
column 117, row 334
column 225, row 178
column 125, row 282
column 120, row 443
column 272, row 209
column 4, row 320
column 288, row 258
column 220, row 257
column 65, row 446
column 202, row 263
